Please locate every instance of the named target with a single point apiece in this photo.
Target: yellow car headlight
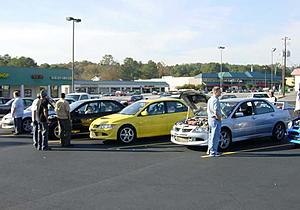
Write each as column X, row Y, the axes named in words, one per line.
column 106, row 126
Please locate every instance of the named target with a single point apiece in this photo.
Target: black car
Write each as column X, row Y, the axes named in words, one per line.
column 5, row 108
column 83, row 113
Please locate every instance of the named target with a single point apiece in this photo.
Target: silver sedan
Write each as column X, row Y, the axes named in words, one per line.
column 242, row 119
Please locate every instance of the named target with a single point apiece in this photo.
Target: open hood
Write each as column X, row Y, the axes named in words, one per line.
column 196, row 100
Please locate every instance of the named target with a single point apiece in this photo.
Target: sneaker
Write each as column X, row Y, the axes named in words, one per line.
column 214, row 154
column 46, row 149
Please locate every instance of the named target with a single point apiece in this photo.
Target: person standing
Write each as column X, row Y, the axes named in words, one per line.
column 35, row 120
column 62, row 109
column 297, row 104
column 43, row 124
column 273, row 97
column 214, row 122
column 17, row 110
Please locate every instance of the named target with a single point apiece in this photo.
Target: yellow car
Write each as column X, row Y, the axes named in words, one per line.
column 144, row 118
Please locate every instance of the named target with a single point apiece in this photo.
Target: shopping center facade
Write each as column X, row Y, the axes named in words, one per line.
column 30, row 81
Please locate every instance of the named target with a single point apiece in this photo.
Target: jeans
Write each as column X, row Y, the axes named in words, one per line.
column 214, row 135
column 64, row 131
column 43, row 133
column 18, row 125
column 35, row 133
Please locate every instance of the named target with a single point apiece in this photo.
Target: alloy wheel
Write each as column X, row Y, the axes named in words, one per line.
column 127, row 135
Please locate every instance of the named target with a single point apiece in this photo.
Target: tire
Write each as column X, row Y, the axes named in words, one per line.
column 54, row 131
column 26, row 125
column 126, row 134
column 225, row 139
column 278, row 132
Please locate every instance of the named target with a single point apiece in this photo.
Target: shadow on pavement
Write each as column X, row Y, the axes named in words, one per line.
column 156, row 144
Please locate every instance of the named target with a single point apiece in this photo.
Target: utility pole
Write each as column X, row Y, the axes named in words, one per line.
column 284, row 66
column 272, row 67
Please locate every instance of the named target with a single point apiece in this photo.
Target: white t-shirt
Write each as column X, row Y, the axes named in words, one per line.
column 34, row 108
column 297, row 105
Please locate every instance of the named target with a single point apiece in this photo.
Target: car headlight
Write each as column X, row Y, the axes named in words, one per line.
column 201, row 129
column 290, row 124
column 106, row 126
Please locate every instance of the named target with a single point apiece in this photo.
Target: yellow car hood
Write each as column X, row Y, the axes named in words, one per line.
column 113, row 118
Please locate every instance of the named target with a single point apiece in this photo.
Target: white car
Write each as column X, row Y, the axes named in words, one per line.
column 78, row 96
column 262, row 95
column 7, row 121
column 242, row 119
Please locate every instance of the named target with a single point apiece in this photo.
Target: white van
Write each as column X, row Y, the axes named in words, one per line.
column 78, row 96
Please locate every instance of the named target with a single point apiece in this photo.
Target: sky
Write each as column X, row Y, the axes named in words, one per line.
column 169, row 31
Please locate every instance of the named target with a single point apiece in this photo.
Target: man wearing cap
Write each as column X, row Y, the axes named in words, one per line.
column 43, row 125
column 62, row 109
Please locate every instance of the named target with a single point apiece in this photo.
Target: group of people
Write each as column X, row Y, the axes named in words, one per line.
column 41, row 122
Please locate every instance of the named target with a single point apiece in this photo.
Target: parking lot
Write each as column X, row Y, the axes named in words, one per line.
column 149, row 174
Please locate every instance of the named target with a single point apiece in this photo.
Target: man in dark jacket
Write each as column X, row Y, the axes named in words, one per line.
column 43, row 125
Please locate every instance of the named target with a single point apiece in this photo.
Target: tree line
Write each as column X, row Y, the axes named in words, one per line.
column 109, row 69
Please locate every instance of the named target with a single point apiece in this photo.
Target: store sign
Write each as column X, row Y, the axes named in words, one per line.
column 4, row 75
column 37, row 76
column 61, row 78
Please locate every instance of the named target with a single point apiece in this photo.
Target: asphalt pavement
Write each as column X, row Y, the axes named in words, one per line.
column 150, row 174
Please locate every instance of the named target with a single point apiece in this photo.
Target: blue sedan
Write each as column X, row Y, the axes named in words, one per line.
column 294, row 131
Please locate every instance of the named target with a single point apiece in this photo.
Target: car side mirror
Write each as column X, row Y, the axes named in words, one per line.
column 238, row 114
column 144, row 113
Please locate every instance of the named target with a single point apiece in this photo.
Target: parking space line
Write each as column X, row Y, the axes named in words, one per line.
column 247, row 150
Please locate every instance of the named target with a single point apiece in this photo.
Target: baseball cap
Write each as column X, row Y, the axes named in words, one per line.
column 43, row 93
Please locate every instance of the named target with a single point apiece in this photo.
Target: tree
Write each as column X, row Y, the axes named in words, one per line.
column 130, row 69
column 108, row 60
column 45, row 65
column 149, row 70
column 22, row 62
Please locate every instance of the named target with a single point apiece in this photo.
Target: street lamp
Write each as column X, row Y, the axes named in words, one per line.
column 221, row 66
column 73, row 21
column 272, row 67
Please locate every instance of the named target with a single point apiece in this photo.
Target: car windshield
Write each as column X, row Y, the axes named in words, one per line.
column 75, row 97
column 74, row 105
column 134, row 108
column 227, row 108
column 10, row 101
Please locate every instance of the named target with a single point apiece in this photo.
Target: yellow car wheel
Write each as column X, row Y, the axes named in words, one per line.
column 126, row 134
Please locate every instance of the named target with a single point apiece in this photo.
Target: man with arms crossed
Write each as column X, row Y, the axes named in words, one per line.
column 214, row 122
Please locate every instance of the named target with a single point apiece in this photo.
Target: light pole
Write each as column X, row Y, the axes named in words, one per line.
column 221, row 67
column 272, row 67
column 73, row 21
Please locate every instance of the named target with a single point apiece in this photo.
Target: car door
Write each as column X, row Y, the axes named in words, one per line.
column 154, row 123
column 264, row 118
column 175, row 111
column 243, row 121
column 83, row 116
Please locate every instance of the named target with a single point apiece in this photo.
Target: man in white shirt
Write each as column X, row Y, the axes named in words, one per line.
column 214, row 122
column 17, row 109
column 35, row 121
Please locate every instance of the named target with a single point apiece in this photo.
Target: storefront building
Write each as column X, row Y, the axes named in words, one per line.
column 111, row 86
column 29, row 81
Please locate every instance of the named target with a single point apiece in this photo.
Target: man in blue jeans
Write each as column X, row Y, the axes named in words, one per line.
column 43, row 124
column 214, row 122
